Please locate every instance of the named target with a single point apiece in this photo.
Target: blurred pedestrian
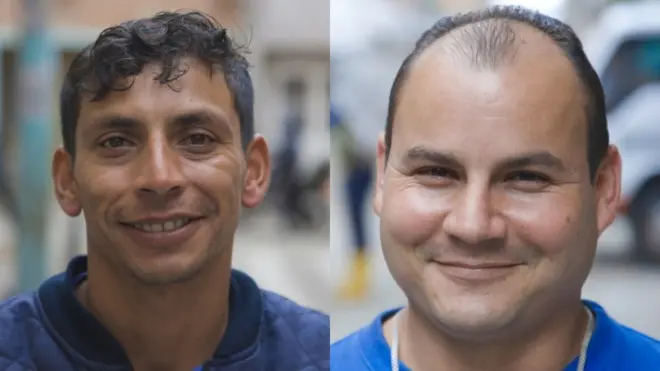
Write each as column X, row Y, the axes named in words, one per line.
column 495, row 180
column 160, row 153
column 8, row 227
column 288, row 183
column 7, row 199
column 359, row 171
column 8, row 242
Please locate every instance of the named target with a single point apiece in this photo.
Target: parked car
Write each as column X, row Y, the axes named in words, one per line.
column 624, row 47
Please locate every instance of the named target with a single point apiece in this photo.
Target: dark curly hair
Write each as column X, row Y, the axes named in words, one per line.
column 122, row 51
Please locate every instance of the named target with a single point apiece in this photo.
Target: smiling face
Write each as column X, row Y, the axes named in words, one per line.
column 488, row 214
column 161, row 175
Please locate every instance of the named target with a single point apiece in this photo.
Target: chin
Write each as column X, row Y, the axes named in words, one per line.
column 167, row 270
column 159, row 278
column 468, row 317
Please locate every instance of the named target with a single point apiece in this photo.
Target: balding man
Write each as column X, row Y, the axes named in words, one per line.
column 495, row 180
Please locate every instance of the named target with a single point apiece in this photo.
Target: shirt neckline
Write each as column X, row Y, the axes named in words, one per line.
column 376, row 351
column 75, row 326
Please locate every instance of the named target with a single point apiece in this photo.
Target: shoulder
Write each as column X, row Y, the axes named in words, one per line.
column 621, row 346
column 297, row 316
column 348, row 353
column 346, row 350
column 638, row 347
column 305, row 328
column 364, row 349
column 20, row 324
column 18, row 315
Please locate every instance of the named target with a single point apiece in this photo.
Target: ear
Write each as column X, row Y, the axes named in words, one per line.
column 377, row 202
column 257, row 175
column 608, row 188
column 66, row 189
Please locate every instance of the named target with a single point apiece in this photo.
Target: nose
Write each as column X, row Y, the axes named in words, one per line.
column 160, row 170
column 472, row 218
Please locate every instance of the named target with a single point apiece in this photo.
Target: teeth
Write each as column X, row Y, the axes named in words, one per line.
column 168, row 226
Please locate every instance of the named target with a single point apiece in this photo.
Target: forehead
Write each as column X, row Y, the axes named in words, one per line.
column 199, row 88
column 533, row 100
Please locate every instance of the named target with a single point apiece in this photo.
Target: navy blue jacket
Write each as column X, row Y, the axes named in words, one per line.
column 49, row 330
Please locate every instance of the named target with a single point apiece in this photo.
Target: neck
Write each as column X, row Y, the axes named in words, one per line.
column 551, row 345
column 171, row 327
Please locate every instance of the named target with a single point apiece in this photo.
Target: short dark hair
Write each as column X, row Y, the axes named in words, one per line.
column 122, row 52
column 487, row 40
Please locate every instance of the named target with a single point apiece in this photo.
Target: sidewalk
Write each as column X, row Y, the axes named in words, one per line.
column 292, row 264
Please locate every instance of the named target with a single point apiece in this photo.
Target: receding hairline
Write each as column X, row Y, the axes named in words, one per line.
column 514, row 41
column 489, row 43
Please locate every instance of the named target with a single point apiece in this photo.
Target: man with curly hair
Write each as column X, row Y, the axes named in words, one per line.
column 159, row 155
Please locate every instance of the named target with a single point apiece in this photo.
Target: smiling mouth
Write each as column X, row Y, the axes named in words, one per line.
column 479, row 265
column 162, row 227
column 477, row 272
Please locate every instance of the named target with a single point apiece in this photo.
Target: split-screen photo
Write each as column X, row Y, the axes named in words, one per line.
column 329, row 185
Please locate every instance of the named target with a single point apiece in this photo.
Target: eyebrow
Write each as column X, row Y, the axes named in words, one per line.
column 541, row 159
column 189, row 118
column 115, row 121
column 195, row 117
column 423, row 154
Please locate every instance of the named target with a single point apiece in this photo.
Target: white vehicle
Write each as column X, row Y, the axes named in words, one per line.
column 624, row 48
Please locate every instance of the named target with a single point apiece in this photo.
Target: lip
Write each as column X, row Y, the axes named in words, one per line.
column 161, row 218
column 483, row 265
column 477, row 272
column 162, row 240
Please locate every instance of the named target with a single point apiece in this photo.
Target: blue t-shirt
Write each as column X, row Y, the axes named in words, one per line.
column 613, row 347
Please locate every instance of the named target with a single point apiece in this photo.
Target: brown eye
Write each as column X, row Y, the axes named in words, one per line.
column 199, row 139
column 114, row 142
column 528, row 176
column 527, row 181
column 198, row 143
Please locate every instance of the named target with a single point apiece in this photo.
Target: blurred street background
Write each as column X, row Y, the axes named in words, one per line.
column 283, row 244
column 370, row 38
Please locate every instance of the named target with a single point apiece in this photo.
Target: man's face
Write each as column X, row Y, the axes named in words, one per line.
column 488, row 215
column 161, row 175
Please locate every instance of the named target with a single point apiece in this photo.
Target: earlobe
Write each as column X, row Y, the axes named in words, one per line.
column 257, row 174
column 64, row 183
column 377, row 201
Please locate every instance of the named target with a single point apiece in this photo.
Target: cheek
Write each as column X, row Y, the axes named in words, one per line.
column 411, row 215
column 220, row 178
column 410, row 218
column 553, row 223
column 99, row 188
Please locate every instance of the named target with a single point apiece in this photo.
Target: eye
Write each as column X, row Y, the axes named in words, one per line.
column 437, row 172
column 114, row 142
column 198, row 140
column 528, row 177
column 528, row 181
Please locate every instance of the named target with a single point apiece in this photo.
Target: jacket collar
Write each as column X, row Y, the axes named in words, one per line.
column 71, row 323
